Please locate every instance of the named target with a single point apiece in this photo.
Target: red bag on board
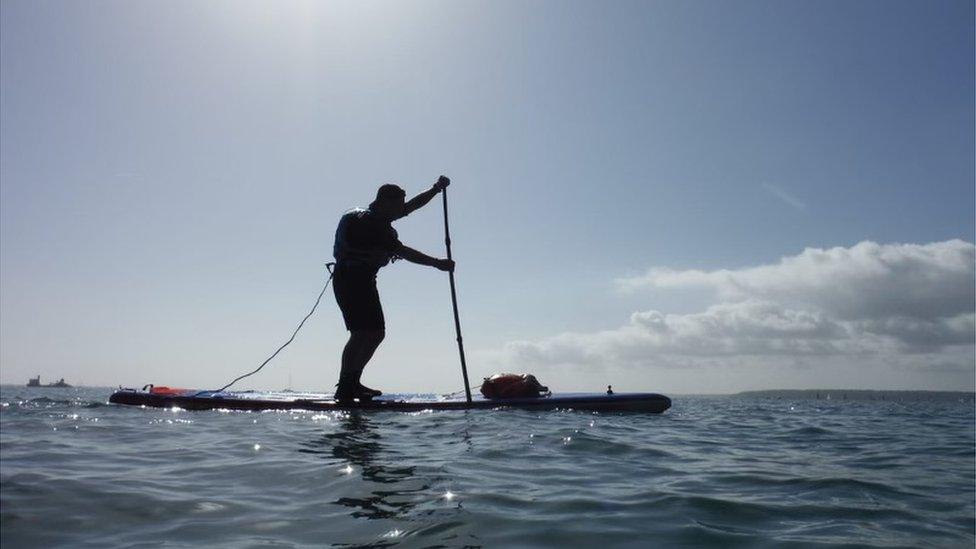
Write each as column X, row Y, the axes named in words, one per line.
column 513, row 386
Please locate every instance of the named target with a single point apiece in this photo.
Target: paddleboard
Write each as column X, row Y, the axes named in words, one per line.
column 191, row 399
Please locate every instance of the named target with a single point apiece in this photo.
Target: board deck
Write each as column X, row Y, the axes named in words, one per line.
column 191, row 399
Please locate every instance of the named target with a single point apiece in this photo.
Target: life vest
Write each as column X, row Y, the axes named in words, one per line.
column 347, row 252
column 513, row 386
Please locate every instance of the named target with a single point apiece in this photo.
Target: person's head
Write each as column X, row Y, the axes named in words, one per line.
column 389, row 201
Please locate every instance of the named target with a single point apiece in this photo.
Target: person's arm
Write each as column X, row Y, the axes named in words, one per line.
column 413, row 256
column 423, row 198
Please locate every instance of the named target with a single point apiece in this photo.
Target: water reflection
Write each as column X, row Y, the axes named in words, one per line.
column 357, row 441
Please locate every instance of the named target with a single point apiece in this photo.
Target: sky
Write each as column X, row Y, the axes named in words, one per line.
column 679, row 197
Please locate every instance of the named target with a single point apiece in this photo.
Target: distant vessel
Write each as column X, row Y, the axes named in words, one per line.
column 36, row 382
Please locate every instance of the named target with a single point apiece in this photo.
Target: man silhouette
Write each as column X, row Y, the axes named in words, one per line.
column 364, row 242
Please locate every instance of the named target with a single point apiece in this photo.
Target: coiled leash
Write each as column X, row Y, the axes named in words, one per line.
column 329, row 267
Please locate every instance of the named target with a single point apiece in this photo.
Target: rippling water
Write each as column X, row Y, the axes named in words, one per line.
column 713, row 471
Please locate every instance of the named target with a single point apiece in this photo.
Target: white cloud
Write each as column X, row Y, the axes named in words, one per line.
column 867, row 304
column 866, row 281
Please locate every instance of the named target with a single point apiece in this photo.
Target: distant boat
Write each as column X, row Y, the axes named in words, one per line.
column 36, row 382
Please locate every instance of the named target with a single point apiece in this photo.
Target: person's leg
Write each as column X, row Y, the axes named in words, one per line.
column 359, row 301
column 357, row 352
column 373, row 329
column 366, row 353
column 350, row 354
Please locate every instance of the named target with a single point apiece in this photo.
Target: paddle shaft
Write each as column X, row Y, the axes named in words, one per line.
column 457, row 319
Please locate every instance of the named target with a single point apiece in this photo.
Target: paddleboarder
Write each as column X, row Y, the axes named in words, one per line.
column 365, row 241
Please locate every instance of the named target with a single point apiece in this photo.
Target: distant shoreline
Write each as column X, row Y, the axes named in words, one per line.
column 859, row 394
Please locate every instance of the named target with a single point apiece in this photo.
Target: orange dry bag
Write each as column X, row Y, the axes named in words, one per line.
column 166, row 391
column 513, row 386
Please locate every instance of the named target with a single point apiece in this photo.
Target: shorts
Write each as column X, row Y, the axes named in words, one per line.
column 355, row 292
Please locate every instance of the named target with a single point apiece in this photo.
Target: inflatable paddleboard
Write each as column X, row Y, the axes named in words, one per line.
column 191, row 399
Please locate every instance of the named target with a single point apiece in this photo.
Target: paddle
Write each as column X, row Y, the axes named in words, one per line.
column 457, row 320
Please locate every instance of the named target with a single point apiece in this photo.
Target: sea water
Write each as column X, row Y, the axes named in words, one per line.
column 713, row 471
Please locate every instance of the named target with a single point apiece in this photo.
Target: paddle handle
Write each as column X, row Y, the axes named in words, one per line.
column 457, row 319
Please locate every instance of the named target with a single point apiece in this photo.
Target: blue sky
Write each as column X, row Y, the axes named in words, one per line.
column 172, row 173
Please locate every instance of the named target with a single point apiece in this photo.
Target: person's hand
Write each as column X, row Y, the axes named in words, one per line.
column 445, row 265
column 442, row 183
